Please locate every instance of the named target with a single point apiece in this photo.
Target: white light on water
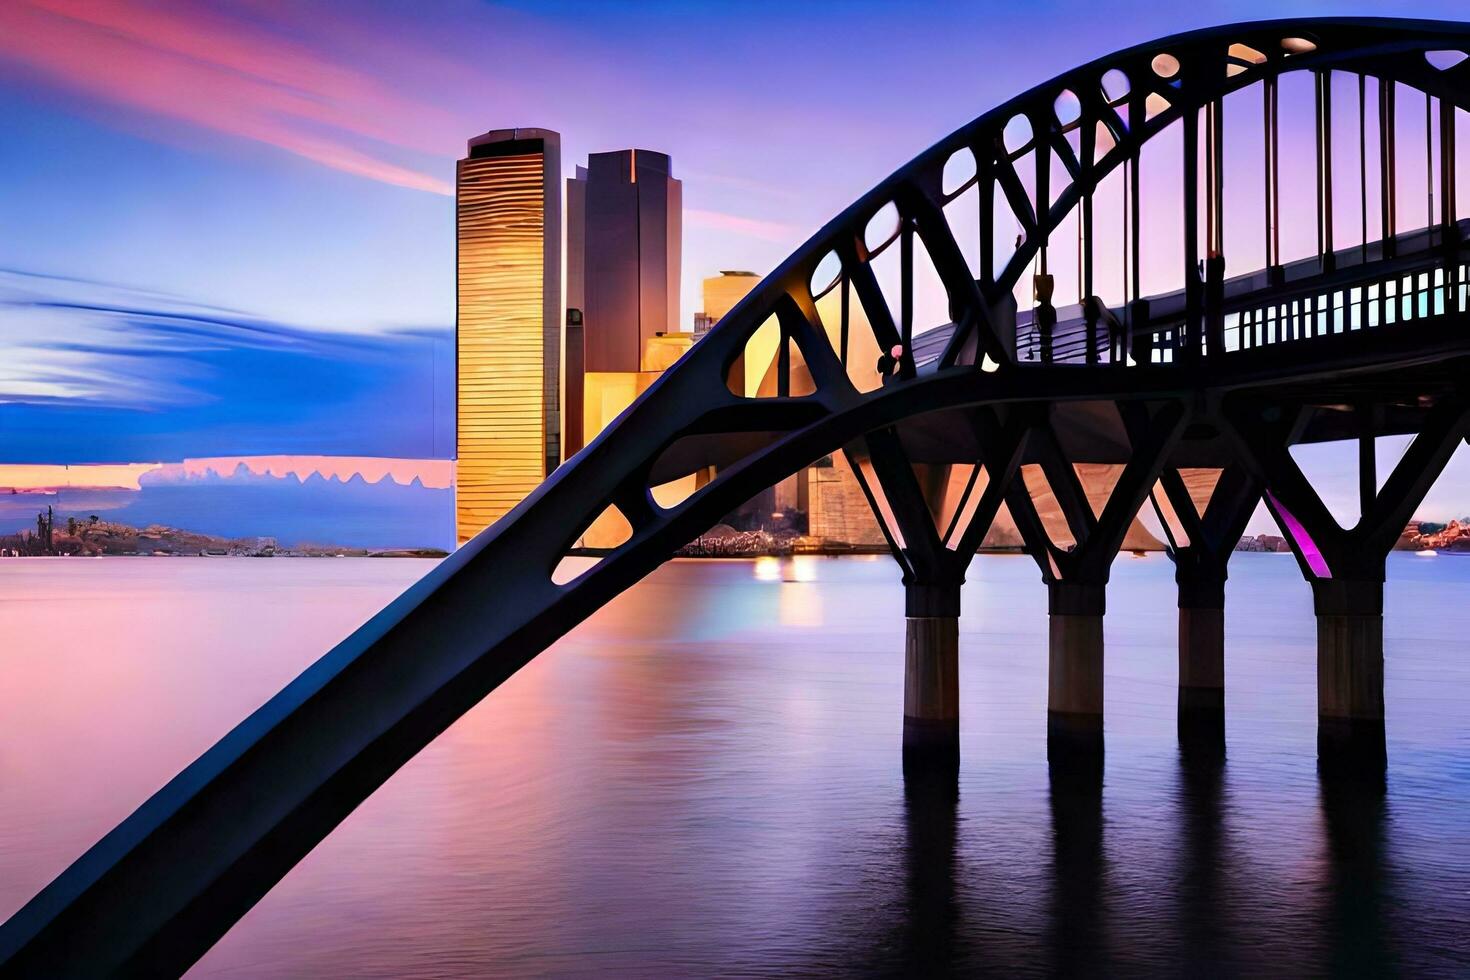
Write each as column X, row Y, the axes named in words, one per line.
column 797, row 568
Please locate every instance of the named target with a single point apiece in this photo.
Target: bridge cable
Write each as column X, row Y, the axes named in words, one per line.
column 1387, row 169
column 1325, row 243
column 1363, row 158
column 1429, row 168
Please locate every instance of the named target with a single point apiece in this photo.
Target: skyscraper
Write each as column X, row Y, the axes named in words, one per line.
column 624, row 248
column 508, row 326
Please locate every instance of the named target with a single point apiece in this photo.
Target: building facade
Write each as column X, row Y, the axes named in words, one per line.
column 624, row 252
column 508, row 323
column 723, row 291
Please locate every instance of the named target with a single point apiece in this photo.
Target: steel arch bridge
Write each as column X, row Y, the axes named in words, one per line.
column 1187, row 398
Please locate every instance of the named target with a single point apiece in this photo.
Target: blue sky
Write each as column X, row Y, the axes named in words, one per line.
column 284, row 166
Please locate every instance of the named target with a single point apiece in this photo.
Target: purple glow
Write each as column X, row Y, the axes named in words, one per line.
column 1304, row 543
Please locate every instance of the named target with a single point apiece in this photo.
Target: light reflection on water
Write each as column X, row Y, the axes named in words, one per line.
column 706, row 778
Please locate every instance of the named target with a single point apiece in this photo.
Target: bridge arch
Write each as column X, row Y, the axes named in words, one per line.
column 160, row 889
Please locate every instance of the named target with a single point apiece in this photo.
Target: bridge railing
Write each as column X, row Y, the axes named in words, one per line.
column 1393, row 299
column 1296, row 302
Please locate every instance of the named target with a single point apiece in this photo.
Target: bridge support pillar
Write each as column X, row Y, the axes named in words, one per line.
column 1346, row 568
column 1201, row 662
column 931, row 680
column 1075, row 668
column 1350, row 733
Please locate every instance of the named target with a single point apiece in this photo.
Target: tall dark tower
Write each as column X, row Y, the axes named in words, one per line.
column 624, row 248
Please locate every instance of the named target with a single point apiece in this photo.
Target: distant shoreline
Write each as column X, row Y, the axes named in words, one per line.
column 97, row 538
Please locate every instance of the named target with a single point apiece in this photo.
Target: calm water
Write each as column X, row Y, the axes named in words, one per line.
column 706, row 778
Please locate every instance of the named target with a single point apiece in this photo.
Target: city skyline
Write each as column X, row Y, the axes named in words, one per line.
column 231, row 198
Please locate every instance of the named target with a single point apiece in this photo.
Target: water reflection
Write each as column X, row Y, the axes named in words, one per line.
column 1201, row 732
column 1357, row 889
column 790, row 568
column 1077, row 935
column 1215, row 920
column 929, row 944
column 767, row 568
column 799, row 599
column 1202, row 902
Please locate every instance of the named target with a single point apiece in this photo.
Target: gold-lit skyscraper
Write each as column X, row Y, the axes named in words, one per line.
column 508, row 325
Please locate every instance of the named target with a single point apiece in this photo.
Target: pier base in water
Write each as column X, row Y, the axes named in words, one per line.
column 1075, row 669
column 1350, row 732
column 931, row 680
column 1202, row 665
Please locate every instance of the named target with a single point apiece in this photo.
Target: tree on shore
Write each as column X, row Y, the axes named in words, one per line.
column 44, row 529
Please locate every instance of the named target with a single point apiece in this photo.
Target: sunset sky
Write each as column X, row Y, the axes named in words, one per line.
column 278, row 176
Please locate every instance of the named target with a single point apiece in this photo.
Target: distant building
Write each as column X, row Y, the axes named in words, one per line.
column 1262, row 542
column 626, row 214
column 624, row 253
column 574, row 372
column 837, row 510
column 508, row 323
column 721, row 293
column 574, row 366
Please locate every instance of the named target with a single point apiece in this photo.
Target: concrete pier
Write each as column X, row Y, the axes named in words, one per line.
column 1075, row 674
column 931, row 680
column 1201, row 657
column 1202, row 663
column 1350, row 733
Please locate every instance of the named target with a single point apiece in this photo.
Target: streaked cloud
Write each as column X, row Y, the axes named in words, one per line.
column 771, row 231
column 100, row 373
column 195, row 64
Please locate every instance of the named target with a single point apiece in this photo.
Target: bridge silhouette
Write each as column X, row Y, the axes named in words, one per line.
column 1185, row 399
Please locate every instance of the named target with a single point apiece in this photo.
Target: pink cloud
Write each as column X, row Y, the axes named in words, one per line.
column 771, row 231
column 187, row 63
column 33, row 477
column 433, row 473
column 343, row 89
